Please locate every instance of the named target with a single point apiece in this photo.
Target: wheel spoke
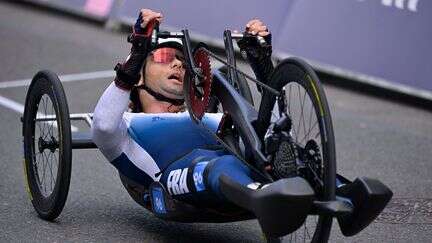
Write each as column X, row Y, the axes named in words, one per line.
column 289, row 103
column 46, row 172
column 35, row 164
column 42, row 105
column 302, row 113
column 316, row 176
column 304, row 231
column 299, row 100
column 274, row 114
column 51, row 123
column 44, row 113
column 38, row 162
column 310, row 113
column 51, row 171
column 310, row 130
column 39, row 126
column 307, row 231
column 293, row 122
column 43, row 172
column 56, row 165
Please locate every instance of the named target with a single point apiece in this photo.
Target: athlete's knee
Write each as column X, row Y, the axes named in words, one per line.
column 230, row 166
column 185, row 177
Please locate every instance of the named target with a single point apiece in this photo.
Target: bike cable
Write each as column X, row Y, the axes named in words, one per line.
column 265, row 86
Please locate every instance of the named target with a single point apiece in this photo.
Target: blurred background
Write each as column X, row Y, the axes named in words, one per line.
column 371, row 55
column 385, row 43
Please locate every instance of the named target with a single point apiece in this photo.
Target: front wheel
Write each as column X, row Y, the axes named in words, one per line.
column 47, row 145
column 304, row 102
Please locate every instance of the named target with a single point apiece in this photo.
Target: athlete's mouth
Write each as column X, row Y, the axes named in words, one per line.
column 175, row 76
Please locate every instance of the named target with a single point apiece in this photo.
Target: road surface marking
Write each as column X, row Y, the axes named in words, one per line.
column 17, row 107
column 63, row 78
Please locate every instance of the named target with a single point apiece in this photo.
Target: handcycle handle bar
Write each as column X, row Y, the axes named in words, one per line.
column 229, row 36
column 235, row 36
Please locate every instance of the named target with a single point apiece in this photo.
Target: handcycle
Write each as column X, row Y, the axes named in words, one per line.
column 293, row 122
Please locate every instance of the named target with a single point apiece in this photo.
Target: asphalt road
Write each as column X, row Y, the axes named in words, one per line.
column 374, row 137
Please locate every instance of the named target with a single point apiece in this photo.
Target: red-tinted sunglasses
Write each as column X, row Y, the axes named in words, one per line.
column 166, row 55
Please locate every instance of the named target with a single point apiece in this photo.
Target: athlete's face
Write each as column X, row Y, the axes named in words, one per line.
column 164, row 72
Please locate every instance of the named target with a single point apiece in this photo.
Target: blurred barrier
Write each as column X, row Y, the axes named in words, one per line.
column 97, row 9
column 207, row 19
column 384, row 43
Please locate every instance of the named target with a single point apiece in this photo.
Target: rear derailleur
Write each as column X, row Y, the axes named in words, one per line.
column 281, row 149
column 288, row 158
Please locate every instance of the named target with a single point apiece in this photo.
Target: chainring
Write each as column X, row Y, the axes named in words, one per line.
column 198, row 88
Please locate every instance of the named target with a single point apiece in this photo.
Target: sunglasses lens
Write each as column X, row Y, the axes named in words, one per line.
column 164, row 55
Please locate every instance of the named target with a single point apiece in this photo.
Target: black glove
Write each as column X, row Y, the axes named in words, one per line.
column 129, row 72
column 259, row 56
column 250, row 46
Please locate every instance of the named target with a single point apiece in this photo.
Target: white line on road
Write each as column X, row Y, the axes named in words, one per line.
column 17, row 107
column 63, row 78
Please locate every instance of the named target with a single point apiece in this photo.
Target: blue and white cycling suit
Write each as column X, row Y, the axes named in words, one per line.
column 165, row 147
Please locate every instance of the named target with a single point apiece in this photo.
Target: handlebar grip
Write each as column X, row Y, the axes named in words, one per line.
column 262, row 42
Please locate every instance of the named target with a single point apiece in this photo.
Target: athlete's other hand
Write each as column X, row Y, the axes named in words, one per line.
column 256, row 27
column 145, row 17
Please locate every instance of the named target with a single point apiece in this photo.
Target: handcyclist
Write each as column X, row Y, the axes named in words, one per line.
column 141, row 126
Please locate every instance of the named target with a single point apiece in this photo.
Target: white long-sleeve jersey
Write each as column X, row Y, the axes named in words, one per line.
column 139, row 145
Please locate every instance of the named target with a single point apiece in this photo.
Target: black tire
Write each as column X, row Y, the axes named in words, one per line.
column 47, row 144
column 295, row 73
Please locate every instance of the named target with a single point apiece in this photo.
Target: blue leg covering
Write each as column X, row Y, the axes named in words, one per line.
column 195, row 177
column 230, row 166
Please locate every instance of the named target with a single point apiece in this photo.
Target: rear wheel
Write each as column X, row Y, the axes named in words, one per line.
column 47, row 145
column 311, row 131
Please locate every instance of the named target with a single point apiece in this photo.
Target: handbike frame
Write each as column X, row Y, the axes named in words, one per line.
column 243, row 116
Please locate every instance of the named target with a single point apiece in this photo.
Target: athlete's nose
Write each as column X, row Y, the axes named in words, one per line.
column 176, row 63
